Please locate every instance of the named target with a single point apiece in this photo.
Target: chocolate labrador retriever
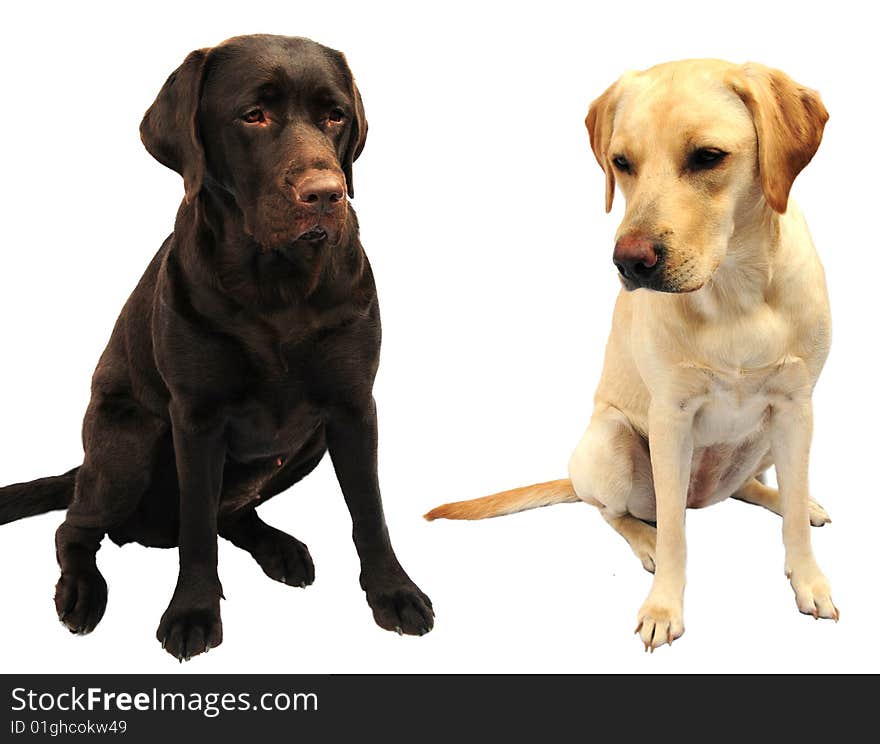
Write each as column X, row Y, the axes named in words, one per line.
column 247, row 350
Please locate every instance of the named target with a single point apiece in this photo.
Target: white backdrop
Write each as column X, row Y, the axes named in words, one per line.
column 482, row 212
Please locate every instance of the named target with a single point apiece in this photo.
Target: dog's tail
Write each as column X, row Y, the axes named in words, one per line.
column 508, row 502
column 36, row 497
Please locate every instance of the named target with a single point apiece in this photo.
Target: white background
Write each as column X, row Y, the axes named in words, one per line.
column 481, row 209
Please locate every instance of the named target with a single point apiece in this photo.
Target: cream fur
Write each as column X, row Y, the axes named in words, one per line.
column 713, row 378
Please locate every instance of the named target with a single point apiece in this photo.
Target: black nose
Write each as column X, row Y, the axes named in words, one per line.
column 638, row 258
column 321, row 193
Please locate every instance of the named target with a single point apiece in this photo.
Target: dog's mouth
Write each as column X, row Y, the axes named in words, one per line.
column 660, row 286
column 294, row 249
column 312, row 235
column 296, row 236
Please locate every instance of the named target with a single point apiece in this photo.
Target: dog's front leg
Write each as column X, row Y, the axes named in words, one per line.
column 191, row 624
column 397, row 603
column 671, row 444
column 791, row 431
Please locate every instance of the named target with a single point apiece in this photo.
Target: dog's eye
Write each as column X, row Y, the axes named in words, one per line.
column 622, row 164
column 336, row 116
column 705, row 158
column 254, row 116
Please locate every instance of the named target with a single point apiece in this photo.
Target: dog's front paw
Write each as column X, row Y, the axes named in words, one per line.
column 401, row 607
column 286, row 559
column 405, row 610
column 185, row 632
column 812, row 592
column 80, row 600
column 660, row 621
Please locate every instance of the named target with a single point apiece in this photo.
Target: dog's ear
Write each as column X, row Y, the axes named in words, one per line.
column 600, row 123
column 169, row 129
column 789, row 120
column 357, row 137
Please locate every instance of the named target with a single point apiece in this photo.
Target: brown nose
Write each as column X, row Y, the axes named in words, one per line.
column 638, row 258
column 320, row 193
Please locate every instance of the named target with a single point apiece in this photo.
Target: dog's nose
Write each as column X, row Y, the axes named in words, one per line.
column 320, row 193
column 637, row 258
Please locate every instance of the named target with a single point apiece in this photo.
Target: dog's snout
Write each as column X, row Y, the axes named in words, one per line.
column 321, row 193
column 637, row 258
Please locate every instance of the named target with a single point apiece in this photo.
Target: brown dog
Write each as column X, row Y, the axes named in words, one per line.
column 720, row 331
column 247, row 350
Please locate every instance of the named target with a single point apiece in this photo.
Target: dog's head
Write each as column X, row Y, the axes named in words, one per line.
column 273, row 123
column 698, row 148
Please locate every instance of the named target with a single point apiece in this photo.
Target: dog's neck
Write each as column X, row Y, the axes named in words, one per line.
column 217, row 251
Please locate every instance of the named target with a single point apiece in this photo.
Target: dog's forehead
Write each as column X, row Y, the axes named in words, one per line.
column 242, row 66
column 681, row 101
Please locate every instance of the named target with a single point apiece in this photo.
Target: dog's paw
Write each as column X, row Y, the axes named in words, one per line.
column 647, row 559
column 644, row 545
column 404, row 608
column 80, row 600
column 812, row 593
column 187, row 632
column 286, row 559
column 818, row 516
column 659, row 622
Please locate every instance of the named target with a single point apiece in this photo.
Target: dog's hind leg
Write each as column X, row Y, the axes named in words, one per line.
column 755, row 492
column 611, row 469
column 119, row 440
column 281, row 556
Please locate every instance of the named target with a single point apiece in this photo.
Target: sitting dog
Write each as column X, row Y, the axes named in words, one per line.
column 247, row 350
column 719, row 332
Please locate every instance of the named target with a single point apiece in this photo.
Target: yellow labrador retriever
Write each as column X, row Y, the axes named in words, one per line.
column 720, row 330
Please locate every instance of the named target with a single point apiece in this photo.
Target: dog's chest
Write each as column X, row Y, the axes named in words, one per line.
column 275, row 420
column 730, row 410
column 731, row 405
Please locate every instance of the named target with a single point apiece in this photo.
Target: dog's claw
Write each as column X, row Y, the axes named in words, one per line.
column 398, row 630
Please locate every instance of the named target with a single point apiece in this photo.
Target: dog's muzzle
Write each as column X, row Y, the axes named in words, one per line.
column 319, row 198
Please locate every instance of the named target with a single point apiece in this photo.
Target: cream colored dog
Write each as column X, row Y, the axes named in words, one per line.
column 720, row 330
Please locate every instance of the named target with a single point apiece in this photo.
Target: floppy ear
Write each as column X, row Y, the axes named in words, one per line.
column 789, row 120
column 357, row 137
column 600, row 124
column 169, row 129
